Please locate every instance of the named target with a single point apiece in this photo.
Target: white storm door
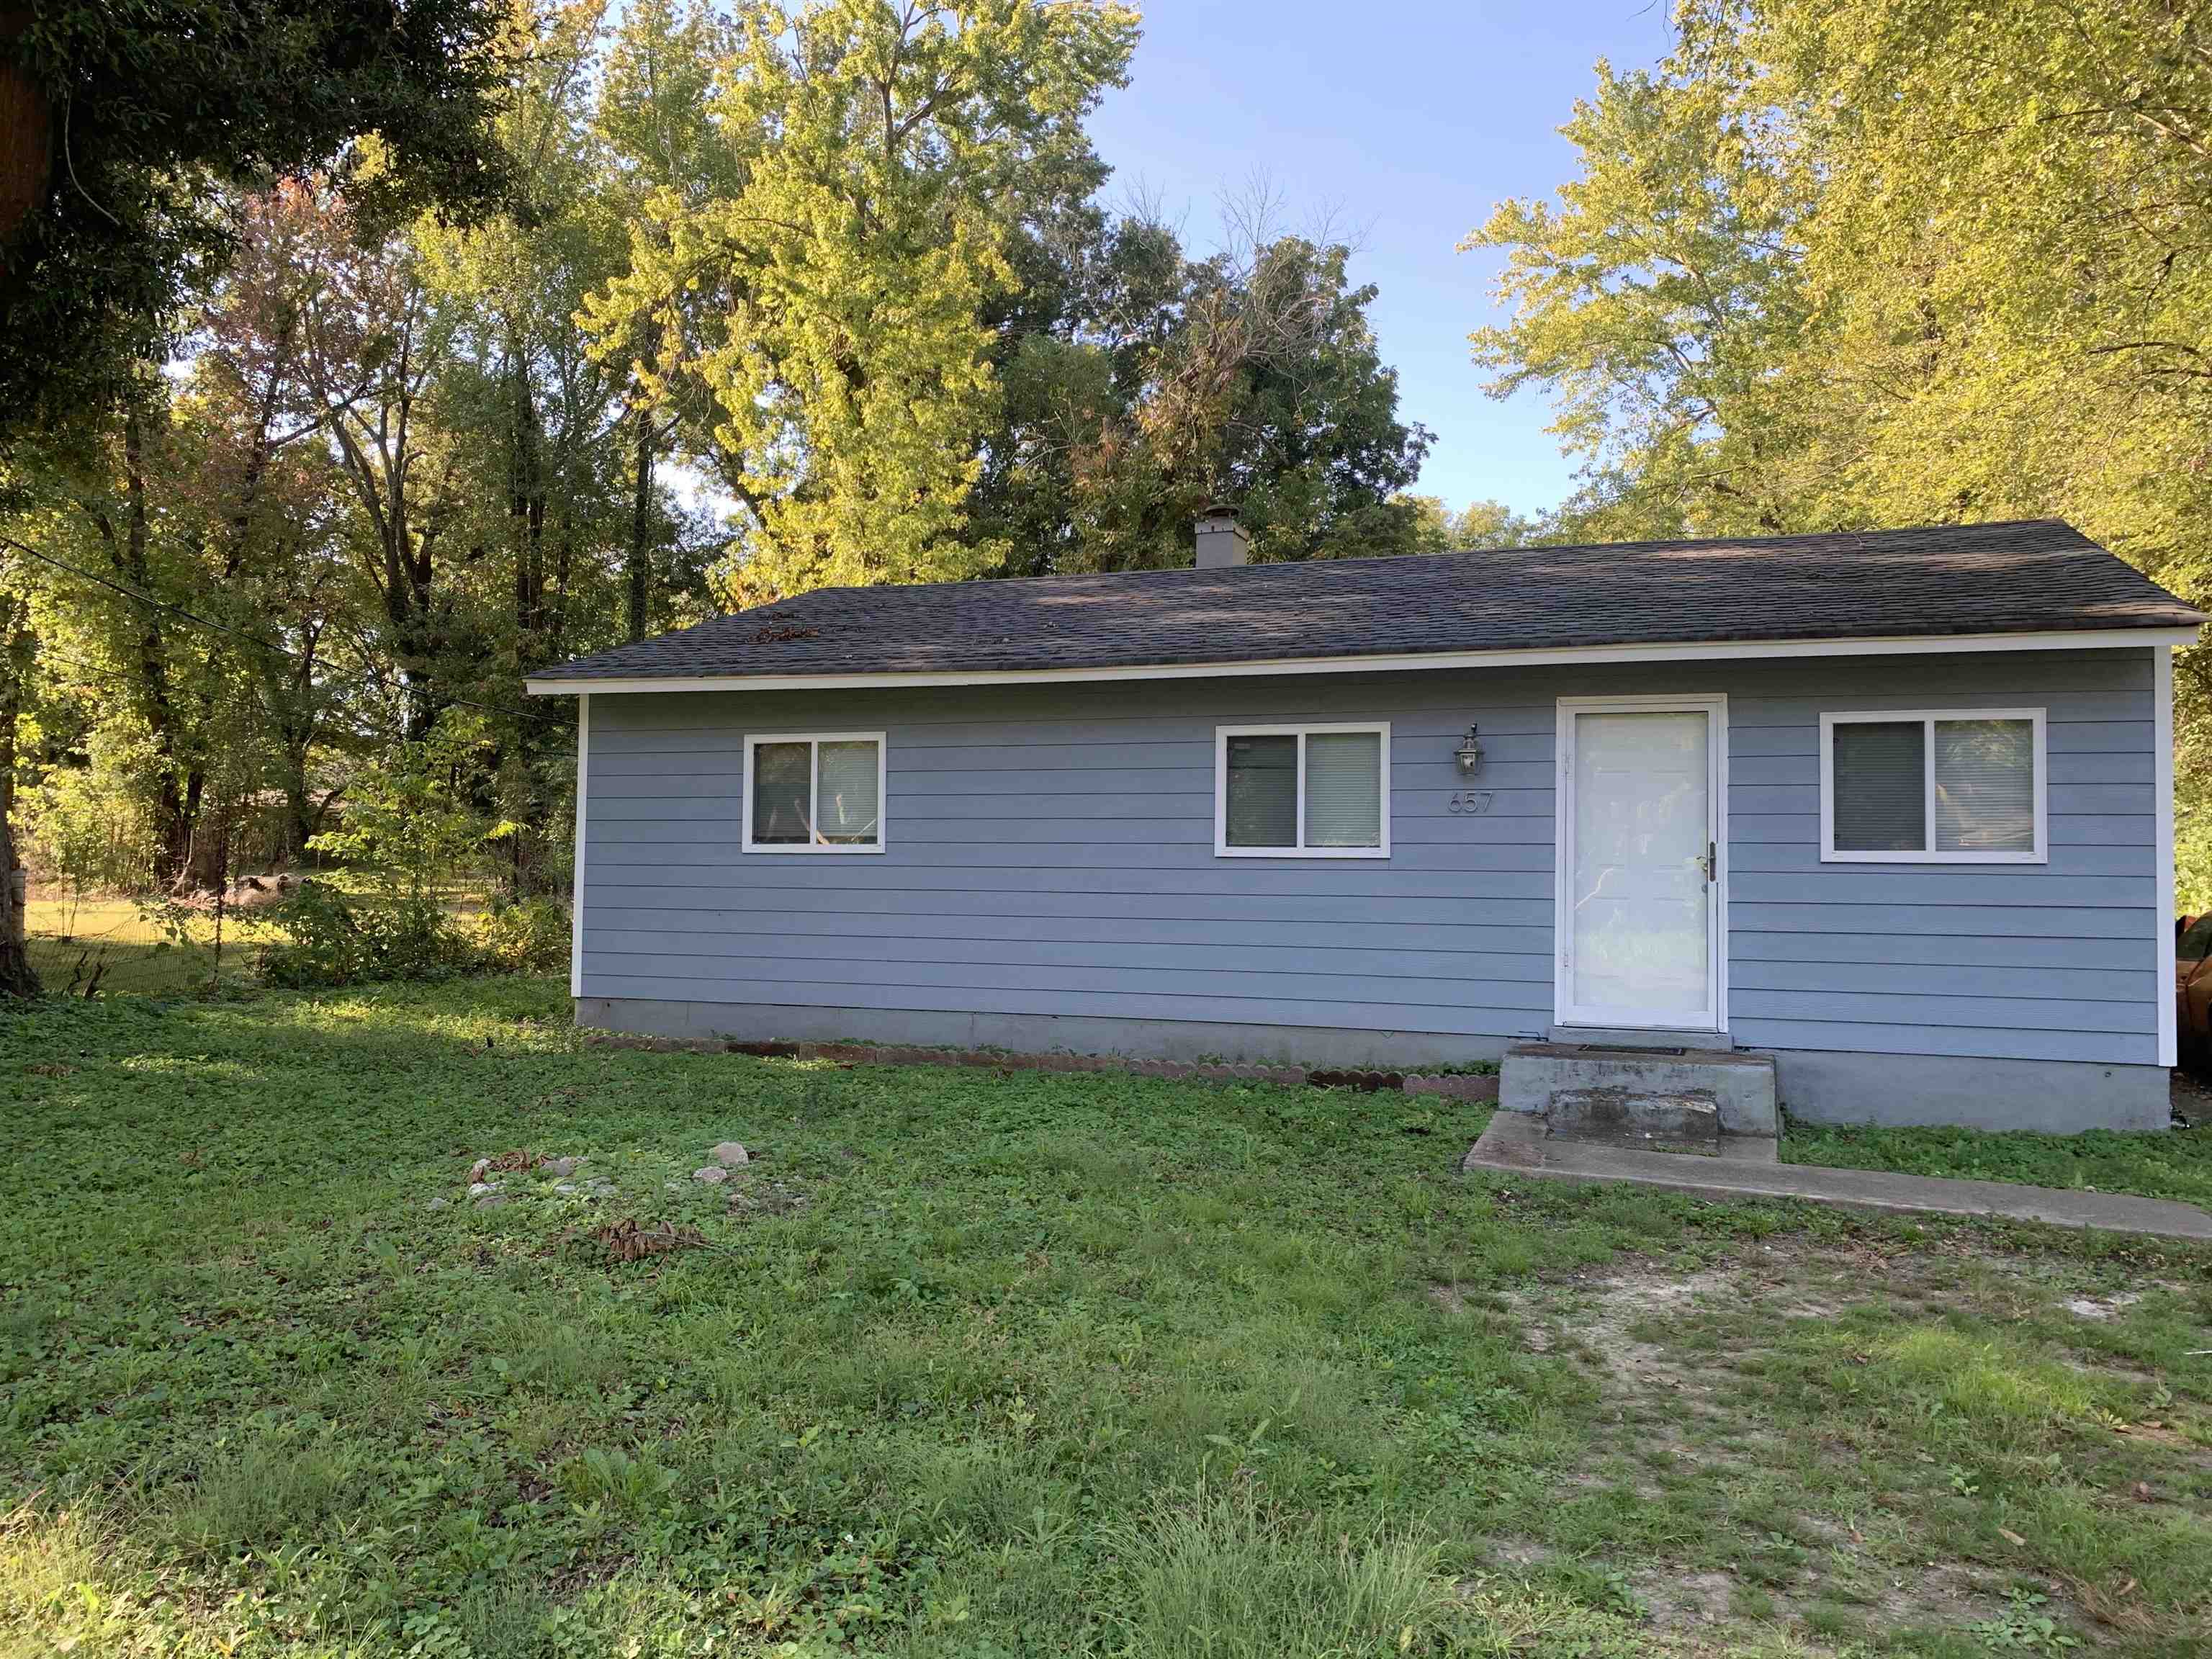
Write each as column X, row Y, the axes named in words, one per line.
column 1639, row 848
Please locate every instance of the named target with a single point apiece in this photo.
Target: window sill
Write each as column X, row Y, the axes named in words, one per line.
column 1935, row 857
column 811, row 851
column 1302, row 851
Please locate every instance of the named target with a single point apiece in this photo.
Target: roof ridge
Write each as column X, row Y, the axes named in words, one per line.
column 1369, row 560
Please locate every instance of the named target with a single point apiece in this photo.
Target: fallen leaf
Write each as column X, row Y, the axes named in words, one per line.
column 626, row 1241
column 2012, row 1537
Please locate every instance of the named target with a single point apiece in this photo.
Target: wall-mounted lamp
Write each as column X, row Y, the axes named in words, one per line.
column 1469, row 753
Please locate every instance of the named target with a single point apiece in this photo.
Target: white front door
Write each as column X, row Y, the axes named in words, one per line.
column 1640, row 853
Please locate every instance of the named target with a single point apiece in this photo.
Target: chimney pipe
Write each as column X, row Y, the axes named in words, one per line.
column 1221, row 541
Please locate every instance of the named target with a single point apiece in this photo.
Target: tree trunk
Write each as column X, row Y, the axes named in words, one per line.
column 26, row 148
column 17, row 978
column 526, row 504
column 173, row 827
column 641, row 527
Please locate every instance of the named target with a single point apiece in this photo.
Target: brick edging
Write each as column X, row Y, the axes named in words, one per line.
column 1451, row 1085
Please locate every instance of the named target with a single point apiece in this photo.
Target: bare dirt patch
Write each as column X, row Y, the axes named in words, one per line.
column 1681, row 1354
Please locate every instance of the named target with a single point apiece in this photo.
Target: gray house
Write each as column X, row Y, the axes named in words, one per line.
column 1893, row 809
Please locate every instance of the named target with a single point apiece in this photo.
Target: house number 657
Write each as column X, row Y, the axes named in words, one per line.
column 1470, row 803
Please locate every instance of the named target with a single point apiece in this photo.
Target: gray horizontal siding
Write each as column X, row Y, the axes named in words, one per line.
column 1050, row 852
column 2055, row 961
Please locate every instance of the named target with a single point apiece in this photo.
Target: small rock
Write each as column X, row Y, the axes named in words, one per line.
column 478, row 1189
column 732, row 1156
column 714, row 1174
column 441, row 1203
column 561, row 1167
column 491, row 1201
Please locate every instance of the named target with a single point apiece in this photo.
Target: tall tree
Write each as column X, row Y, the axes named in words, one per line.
column 146, row 110
column 881, row 150
column 1168, row 383
column 1661, row 301
column 376, row 344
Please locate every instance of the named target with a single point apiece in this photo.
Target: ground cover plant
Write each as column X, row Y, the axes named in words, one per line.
column 966, row 1362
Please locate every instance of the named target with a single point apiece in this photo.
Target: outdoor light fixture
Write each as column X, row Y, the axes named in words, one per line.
column 1469, row 753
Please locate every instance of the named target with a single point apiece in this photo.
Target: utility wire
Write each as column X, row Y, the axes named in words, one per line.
column 290, row 655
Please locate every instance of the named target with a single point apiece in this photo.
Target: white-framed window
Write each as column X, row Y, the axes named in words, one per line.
column 815, row 791
column 1301, row 792
column 1942, row 786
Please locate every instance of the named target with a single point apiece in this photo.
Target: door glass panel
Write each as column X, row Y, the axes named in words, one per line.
column 1641, row 917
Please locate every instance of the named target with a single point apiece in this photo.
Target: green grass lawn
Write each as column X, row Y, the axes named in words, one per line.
column 982, row 1365
column 2175, row 1164
column 109, row 946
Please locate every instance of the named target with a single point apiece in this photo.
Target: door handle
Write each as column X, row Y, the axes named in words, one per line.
column 1712, row 862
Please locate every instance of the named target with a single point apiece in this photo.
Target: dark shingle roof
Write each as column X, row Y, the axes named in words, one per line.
column 1958, row 580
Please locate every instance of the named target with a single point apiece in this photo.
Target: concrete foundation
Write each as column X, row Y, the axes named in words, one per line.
column 2053, row 1096
column 1740, row 1086
column 1191, row 1041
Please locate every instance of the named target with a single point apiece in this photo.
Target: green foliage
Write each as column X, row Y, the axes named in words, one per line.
column 416, row 820
column 146, row 114
column 1437, row 529
column 528, row 937
column 91, row 827
column 1161, row 384
column 1661, row 301
column 331, row 940
column 2025, row 1626
column 883, row 152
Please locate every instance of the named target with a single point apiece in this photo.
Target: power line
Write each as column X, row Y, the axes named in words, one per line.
column 290, row 655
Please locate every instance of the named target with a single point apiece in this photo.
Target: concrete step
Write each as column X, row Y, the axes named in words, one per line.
column 1647, row 1123
column 1740, row 1086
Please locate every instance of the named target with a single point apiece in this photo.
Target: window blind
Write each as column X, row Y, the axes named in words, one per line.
column 845, row 800
column 1984, row 786
column 1881, row 797
column 1344, row 789
column 1262, row 807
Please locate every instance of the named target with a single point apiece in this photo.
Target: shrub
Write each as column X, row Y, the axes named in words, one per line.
column 331, row 940
column 530, row 937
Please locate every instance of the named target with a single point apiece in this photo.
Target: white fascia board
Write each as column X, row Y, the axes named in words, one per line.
column 551, row 685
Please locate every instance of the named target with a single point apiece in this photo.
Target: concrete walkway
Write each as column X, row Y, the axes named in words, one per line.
column 1518, row 1143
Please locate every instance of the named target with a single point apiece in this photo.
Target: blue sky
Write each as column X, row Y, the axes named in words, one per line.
column 1403, row 120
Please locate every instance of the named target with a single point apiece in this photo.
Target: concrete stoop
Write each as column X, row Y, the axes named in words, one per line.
column 1641, row 1096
